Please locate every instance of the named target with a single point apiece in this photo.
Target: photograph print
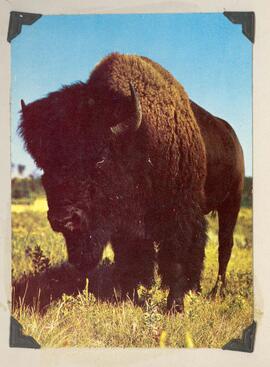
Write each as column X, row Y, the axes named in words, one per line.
column 132, row 180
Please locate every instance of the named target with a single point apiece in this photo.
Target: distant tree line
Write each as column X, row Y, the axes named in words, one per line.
column 26, row 190
column 20, row 168
column 247, row 193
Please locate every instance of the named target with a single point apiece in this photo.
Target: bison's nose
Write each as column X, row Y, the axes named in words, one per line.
column 67, row 220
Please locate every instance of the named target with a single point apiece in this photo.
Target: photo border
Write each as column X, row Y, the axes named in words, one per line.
column 131, row 356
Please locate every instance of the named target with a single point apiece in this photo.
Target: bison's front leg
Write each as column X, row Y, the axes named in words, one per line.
column 181, row 255
column 178, row 287
column 134, row 264
column 174, row 275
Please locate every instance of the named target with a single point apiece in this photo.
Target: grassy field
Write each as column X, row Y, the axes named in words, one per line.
column 59, row 308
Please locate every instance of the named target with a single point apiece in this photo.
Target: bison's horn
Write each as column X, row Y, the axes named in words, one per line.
column 134, row 122
column 23, row 105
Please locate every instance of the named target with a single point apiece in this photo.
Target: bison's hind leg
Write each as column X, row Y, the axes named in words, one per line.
column 134, row 264
column 227, row 217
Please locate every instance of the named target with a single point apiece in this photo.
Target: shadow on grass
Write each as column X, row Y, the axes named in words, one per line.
column 41, row 289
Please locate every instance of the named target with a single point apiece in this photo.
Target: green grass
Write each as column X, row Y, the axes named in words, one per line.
column 65, row 313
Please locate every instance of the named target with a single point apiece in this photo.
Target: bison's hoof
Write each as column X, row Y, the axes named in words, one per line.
column 134, row 297
column 175, row 304
column 217, row 291
column 122, row 294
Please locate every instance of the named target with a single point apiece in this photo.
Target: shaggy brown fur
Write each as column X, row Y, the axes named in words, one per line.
column 133, row 188
column 173, row 135
column 225, row 173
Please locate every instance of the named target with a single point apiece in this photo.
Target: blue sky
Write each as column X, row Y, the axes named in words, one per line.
column 206, row 53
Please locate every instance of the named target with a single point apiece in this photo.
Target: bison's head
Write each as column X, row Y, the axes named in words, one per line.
column 95, row 173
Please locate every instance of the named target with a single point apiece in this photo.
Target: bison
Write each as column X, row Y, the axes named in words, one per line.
column 128, row 158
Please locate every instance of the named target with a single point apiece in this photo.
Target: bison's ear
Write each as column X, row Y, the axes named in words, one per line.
column 134, row 122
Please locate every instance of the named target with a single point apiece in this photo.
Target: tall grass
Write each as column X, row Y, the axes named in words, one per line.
column 79, row 318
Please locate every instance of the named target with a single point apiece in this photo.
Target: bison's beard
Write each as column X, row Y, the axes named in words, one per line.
column 85, row 250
